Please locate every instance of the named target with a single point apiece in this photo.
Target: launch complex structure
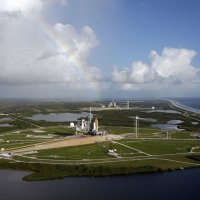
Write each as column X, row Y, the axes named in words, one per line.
column 89, row 125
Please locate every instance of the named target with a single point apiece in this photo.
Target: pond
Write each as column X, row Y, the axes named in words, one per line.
column 164, row 111
column 6, row 125
column 148, row 119
column 59, row 117
column 195, row 123
column 167, row 127
column 175, row 122
column 171, row 125
column 5, row 119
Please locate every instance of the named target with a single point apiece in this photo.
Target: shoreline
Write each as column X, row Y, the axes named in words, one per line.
column 48, row 171
column 32, row 175
column 177, row 104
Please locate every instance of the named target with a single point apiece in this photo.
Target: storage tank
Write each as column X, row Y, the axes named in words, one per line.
column 71, row 124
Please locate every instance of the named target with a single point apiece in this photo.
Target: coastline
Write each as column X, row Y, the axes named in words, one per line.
column 179, row 105
column 46, row 171
column 42, row 172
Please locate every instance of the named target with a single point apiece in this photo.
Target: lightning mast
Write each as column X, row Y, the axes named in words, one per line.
column 90, row 119
column 128, row 104
column 136, row 126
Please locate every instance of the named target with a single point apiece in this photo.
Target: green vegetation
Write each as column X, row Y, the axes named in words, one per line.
column 194, row 157
column 91, row 151
column 60, row 130
column 150, row 152
column 157, row 147
column 118, row 130
column 100, row 150
column 46, row 171
column 75, row 153
column 180, row 135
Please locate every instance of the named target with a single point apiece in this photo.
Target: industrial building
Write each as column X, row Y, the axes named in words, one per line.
column 88, row 125
column 112, row 104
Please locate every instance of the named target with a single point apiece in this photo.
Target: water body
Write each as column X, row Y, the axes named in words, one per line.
column 167, row 127
column 192, row 104
column 175, row 121
column 175, row 185
column 6, row 125
column 171, row 125
column 146, row 119
column 59, row 117
column 163, row 111
column 5, row 119
column 195, row 123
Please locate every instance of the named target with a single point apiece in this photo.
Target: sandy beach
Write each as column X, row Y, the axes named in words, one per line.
column 184, row 107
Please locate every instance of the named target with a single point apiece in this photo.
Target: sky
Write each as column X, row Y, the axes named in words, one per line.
column 99, row 48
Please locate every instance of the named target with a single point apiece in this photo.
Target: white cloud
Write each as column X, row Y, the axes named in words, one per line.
column 171, row 68
column 174, row 63
column 20, row 5
column 141, row 73
column 32, row 52
column 26, row 5
column 119, row 75
column 78, row 44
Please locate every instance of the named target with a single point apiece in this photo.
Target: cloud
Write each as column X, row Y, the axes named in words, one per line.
column 20, row 5
column 32, row 52
column 174, row 63
column 27, row 5
column 172, row 67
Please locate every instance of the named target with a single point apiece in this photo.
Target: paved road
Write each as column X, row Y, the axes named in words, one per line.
column 142, row 152
column 69, row 141
column 25, row 121
column 106, row 160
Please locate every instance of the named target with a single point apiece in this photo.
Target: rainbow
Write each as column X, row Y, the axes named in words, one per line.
column 80, row 64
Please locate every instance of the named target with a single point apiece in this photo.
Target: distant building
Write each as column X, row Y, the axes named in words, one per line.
column 112, row 104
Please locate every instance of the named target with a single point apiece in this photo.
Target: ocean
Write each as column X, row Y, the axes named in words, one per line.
column 191, row 102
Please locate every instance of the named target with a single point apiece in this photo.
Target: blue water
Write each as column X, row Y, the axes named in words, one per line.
column 59, row 117
column 167, row 127
column 183, row 184
column 190, row 102
column 6, row 125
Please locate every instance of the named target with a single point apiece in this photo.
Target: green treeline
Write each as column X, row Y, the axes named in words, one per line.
column 194, row 157
column 47, row 171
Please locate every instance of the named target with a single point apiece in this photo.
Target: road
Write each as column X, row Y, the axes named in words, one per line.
column 25, row 121
column 30, row 159
column 69, row 141
column 142, row 152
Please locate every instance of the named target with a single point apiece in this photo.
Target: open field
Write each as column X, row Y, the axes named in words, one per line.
column 36, row 145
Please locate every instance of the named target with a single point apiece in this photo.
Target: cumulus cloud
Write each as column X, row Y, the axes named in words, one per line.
column 171, row 67
column 32, row 52
column 27, row 5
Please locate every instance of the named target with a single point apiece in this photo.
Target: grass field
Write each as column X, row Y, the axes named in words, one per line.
column 92, row 151
column 157, row 147
column 148, row 153
column 60, row 129
column 125, row 149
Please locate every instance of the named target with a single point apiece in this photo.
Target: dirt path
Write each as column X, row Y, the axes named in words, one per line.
column 142, row 152
column 22, row 120
column 72, row 141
